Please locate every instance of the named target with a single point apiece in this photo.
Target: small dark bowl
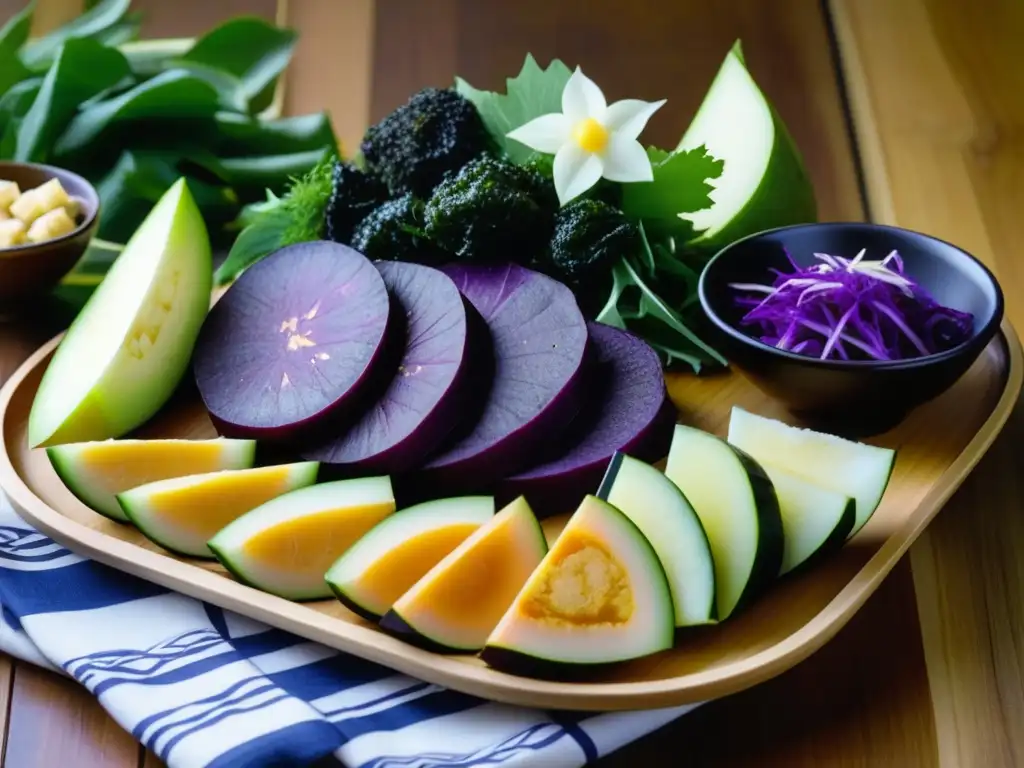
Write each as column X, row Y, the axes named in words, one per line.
column 851, row 398
column 27, row 271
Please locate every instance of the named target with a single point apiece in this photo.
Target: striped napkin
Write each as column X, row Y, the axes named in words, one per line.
column 205, row 688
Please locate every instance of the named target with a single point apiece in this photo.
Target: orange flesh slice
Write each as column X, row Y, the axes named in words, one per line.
column 392, row 575
column 310, row 544
column 116, row 468
column 206, row 508
column 474, row 591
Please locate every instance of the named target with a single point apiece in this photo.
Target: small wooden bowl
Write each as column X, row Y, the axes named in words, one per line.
column 33, row 269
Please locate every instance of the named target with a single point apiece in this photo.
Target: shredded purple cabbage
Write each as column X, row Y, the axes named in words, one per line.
column 851, row 309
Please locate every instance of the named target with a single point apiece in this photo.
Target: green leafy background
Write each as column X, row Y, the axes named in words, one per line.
column 133, row 116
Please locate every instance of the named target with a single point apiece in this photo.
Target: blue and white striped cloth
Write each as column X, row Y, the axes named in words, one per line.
column 205, row 688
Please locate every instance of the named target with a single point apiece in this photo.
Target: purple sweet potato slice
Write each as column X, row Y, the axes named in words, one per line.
column 422, row 403
column 539, row 342
column 294, row 343
column 627, row 409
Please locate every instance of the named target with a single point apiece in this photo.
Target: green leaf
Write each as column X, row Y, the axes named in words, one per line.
column 173, row 94
column 249, row 49
column 532, row 93
column 151, row 57
column 18, row 99
column 243, row 135
column 633, row 305
column 269, row 171
column 138, row 180
column 228, row 87
column 83, row 68
column 251, row 212
column 264, row 235
column 74, row 290
column 105, row 14
column 14, row 33
column 13, row 106
column 12, row 71
column 123, row 32
column 680, row 185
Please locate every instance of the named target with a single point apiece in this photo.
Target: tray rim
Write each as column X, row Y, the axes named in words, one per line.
column 372, row 645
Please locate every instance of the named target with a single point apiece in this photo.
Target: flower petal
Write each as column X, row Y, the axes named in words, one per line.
column 545, row 133
column 626, row 160
column 575, row 171
column 629, row 116
column 581, row 98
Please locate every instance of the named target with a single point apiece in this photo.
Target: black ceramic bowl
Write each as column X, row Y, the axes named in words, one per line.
column 852, row 398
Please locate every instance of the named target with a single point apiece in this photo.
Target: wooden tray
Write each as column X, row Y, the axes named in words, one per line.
column 937, row 446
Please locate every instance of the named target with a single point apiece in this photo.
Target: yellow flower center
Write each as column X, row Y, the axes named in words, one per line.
column 590, row 135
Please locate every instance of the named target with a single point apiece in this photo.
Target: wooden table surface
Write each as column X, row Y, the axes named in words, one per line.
column 908, row 112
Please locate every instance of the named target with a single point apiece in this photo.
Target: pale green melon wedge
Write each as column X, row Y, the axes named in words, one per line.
column 129, row 347
column 764, row 183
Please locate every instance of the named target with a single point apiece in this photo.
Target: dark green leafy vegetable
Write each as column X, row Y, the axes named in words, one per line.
column 136, row 183
column 249, row 50
column 14, row 33
column 634, row 306
column 267, row 171
column 83, row 68
column 175, row 93
column 91, row 98
column 394, row 232
column 12, row 70
column 492, row 210
column 589, row 237
column 243, row 135
column 297, row 217
column 39, row 54
column 354, row 195
column 434, row 133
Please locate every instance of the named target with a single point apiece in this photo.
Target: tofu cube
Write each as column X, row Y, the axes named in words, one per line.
column 9, row 192
column 12, row 232
column 43, row 199
column 51, row 225
column 74, row 207
column 28, row 207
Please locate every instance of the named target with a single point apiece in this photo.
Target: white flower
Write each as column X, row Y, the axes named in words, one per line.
column 591, row 139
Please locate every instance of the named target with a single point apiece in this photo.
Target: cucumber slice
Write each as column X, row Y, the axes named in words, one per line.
column 95, row 472
column 664, row 515
column 815, row 521
column 739, row 510
column 834, row 463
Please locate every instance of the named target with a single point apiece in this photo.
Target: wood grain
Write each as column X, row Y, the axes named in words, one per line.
column 970, row 594
column 937, row 92
column 55, row 722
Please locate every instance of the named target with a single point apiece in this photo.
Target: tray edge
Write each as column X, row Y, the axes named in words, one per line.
column 488, row 683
